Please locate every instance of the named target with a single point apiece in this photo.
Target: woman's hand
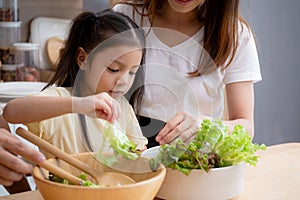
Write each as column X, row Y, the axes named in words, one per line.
column 182, row 125
column 12, row 167
column 101, row 105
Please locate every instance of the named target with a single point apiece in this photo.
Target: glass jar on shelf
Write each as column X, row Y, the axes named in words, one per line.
column 9, row 11
column 8, row 72
column 10, row 33
column 27, row 61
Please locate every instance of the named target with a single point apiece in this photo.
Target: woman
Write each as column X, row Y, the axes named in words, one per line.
column 201, row 62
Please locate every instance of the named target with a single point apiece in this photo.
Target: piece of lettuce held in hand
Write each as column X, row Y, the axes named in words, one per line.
column 120, row 143
column 212, row 147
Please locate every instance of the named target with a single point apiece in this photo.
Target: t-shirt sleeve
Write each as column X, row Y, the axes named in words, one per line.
column 245, row 64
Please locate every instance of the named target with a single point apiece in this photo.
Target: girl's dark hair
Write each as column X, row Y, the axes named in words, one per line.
column 87, row 31
column 220, row 20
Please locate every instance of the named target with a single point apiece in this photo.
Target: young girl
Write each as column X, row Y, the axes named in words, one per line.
column 201, row 56
column 97, row 67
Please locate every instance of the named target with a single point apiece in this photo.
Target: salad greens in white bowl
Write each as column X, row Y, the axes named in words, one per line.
column 211, row 167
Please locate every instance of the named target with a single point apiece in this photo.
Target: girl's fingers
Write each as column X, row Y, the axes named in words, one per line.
column 103, row 110
column 115, row 109
column 104, row 104
column 107, row 108
column 101, row 105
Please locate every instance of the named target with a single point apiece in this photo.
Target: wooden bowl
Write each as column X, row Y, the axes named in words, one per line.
column 146, row 186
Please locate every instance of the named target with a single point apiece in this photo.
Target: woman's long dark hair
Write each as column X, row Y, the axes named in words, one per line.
column 220, row 19
column 87, row 31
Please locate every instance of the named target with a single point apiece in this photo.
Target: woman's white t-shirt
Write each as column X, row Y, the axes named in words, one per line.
column 169, row 89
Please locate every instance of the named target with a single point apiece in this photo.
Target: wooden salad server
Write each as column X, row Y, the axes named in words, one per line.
column 102, row 178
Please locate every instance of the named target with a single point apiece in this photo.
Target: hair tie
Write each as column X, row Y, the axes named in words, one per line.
column 97, row 15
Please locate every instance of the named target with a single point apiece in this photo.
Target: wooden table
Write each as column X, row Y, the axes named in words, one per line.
column 276, row 176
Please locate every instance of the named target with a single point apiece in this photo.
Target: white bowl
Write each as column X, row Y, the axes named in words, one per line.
column 151, row 152
column 218, row 184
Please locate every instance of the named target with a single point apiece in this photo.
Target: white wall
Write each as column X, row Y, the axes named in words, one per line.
column 29, row 9
column 276, row 24
column 95, row 5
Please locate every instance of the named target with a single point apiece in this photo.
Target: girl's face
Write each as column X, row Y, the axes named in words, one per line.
column 184, row 6
column 119, row 66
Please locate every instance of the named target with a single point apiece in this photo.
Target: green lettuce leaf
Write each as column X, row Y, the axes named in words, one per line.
column 212, row 147
column 120, row 143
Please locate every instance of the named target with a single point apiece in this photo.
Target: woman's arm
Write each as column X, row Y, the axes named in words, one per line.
column 37, row 108
column 240, row 106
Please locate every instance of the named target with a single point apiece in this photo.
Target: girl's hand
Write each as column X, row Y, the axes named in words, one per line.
column 12, row 167
column 101, row 105
column 182, row 125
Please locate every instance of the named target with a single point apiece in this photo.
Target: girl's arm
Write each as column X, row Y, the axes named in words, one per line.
column 240, row 106
column 37, row 108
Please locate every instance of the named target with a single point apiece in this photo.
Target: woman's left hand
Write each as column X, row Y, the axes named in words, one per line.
column 182, row 125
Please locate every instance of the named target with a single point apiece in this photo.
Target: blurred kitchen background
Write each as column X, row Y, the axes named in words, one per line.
column 276, row 26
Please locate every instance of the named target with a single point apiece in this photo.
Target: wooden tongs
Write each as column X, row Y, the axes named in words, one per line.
column 103, row 178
